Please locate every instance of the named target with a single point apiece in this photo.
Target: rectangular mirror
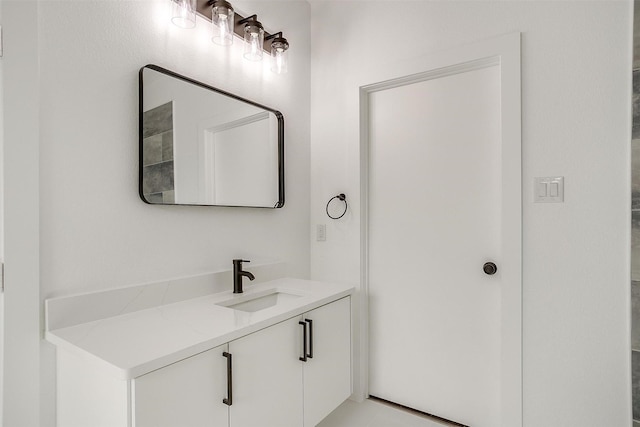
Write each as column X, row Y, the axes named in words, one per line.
column 202, row 146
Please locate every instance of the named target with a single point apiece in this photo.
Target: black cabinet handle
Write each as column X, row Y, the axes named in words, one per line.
column 304, row 341
column 310, row 354
column 229, row 399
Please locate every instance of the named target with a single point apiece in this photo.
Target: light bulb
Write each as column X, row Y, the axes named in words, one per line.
column 224, row 26
column 280, row 64
column 254, row 38
column 254, row 44
column 280, row 53
column 222, row 17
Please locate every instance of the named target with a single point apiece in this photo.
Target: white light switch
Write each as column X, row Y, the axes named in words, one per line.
column 321, row 232
column 542, row 189
column 548, row 189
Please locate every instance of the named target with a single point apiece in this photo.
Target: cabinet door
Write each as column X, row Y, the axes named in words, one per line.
column 267, row 377
column 327, row 375
column 188, row 393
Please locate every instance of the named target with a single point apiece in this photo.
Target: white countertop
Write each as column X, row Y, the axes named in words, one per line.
column 133, row 344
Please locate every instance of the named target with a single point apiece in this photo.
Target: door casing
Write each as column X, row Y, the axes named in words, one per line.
column 504, row 52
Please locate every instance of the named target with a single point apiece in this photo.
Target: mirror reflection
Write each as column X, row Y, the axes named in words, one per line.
column 202, row 146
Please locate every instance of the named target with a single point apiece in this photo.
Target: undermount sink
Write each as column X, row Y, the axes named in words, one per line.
column 259, row 302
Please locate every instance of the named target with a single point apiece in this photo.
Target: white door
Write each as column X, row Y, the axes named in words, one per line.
column 434, row 221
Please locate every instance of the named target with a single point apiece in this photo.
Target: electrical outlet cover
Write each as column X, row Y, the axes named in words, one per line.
column 548, row 189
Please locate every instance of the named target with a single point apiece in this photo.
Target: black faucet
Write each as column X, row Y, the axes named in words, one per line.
column 237, row 275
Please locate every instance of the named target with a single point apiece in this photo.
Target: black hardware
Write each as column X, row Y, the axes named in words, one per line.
column 310, row 354
column 204, row 8
column 251, row 20
column 229, row 398
column 342, row 198
column 418, row 412
column 304, row 341
column 489, row 268
column 277, row 35
column 238, row 273
column 277, row 41
column 220, row 3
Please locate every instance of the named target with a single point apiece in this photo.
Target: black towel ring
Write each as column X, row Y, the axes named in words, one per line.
column 340, row 197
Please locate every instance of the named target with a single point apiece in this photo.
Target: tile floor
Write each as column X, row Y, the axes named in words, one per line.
column 371, row 413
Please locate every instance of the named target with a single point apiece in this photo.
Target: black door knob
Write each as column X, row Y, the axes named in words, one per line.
column 489, row 268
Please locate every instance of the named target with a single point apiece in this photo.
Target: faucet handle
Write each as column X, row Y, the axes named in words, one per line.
column 240, row 261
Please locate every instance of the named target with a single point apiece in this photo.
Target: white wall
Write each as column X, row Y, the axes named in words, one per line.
column 576, row 88
column 95, row 232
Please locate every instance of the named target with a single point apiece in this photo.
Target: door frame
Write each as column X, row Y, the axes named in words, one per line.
column 503, row 51
column 24, row 396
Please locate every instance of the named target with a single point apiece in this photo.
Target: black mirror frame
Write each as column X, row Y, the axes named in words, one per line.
column 278, row 114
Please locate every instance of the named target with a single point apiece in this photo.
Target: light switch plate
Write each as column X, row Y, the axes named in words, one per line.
column 548, row 189
column 321, row 232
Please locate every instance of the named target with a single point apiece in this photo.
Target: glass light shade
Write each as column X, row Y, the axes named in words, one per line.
column 280, row 53
column 183, row 13
column 222, row 17
column 253, row 41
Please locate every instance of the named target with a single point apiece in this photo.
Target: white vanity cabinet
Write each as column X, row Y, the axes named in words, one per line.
column 265, row 385
column 187, row 393
column 327, row 375
column 267, row 377
column 277, row 384
column 270, row 378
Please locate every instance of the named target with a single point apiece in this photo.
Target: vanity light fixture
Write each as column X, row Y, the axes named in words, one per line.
column 253, row 38
column 184, row 13
column 226, row 22
column 222, row 17
column 280, row 53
